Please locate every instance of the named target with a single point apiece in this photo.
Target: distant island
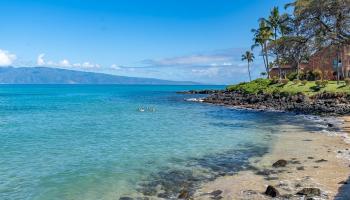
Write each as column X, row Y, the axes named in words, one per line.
column 46, row 75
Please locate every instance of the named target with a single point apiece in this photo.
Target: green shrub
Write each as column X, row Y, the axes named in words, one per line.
column 253, row 87
column 321, row 84
column 302, row 75
column 324, row 83
column 274, row 80
column 347, row 81
column 310, row 76
column 296, row 82
column 304, row 82
column 284, row 81
column 292, row 76
column 318, row 82
column 317, row 74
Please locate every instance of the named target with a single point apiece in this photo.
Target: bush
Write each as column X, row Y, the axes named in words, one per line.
column 292, row 76
column 347, row 81
column 304, row 82
column 317, row 74
column 253, row 87
column 296, row 82
column 302, row 75
column 321, row 84
column 324, row 83
column 274, row 80
column 284, row 81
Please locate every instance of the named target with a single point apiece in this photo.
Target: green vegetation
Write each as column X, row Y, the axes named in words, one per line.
column 305, row 87
column 290, row 38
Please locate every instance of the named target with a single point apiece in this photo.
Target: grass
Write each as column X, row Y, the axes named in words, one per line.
column 268, row 86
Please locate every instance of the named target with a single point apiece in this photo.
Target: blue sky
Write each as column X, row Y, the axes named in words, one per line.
column 197, row 40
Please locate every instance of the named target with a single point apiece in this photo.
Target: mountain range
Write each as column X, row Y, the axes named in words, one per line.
column 47, row 75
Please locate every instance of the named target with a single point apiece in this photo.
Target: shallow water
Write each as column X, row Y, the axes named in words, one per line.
column 92, row 142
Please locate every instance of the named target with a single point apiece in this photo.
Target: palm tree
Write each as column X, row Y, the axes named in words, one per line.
column 261, row 37
column 249, row 56
column 277, row 23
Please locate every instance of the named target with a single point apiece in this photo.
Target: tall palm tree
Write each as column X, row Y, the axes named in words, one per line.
column 261, row 37
column 277, row 23
column 249, row 56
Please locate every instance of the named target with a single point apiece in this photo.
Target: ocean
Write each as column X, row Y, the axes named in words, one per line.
column 87, row 142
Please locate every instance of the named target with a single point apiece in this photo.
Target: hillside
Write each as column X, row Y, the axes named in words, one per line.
column 45, row 75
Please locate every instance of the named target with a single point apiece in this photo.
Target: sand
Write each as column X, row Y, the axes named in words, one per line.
column 315, row 159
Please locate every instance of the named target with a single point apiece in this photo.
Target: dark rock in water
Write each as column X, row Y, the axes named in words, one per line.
column 280, row 163
column 142, row 198
column 266, row 172
column 217, row 198
column 287, row 196
column 310, row 157
column 322, row 160
column 295, row 162
column 330, row 125
column 184, row 194
column 301, row 168
column 271, row 191
column 216, row 193
column 310, row 192
column 126, row 198
column 271, row 178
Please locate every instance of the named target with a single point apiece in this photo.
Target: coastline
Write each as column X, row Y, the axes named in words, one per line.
column 315, row 160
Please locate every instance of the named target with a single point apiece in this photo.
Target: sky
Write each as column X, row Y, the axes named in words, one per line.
column 184, row 40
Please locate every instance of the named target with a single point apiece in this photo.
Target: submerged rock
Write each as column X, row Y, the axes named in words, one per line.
column 271, row 191
column 216, row 193
column 280, row 163
column 184, row 194
column 310, row 192
column 126, row 198
column 322, row 160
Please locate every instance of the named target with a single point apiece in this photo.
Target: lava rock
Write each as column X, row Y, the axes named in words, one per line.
column 280, row 163
column 126, row 198
column 271, row 191
column 216, row 193
column 310, row 192
column 322, row 160
column 184, row 194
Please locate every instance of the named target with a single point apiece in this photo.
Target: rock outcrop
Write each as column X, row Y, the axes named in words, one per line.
column 320, row 104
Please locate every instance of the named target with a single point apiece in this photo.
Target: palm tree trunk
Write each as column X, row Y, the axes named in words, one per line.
column 250, row 78
column 277, row 57
column 265, row 64
column 267, row 61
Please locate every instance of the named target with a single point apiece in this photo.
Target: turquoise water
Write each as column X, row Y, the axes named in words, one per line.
column 91, row 142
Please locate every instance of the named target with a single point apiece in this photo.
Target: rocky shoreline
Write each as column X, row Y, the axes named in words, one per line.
column 324, row 104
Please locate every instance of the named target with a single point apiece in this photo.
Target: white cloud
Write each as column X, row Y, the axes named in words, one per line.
column 115, row 67
column 64, row 63
column 190, row 60
column 209, row 72
column 40, row 61
column 6, row 58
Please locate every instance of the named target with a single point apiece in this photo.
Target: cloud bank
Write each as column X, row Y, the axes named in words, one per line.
column 65, row 63
column 6, row 58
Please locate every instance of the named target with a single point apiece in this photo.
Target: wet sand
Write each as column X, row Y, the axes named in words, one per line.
column 315, row 159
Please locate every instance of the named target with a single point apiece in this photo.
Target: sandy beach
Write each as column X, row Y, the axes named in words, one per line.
column 314, row 160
